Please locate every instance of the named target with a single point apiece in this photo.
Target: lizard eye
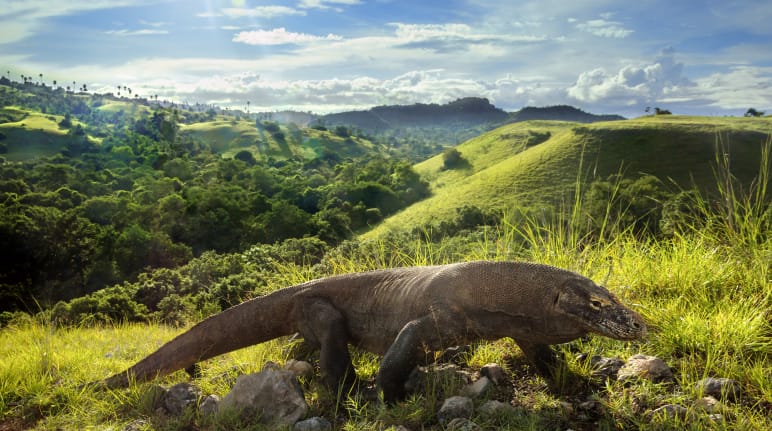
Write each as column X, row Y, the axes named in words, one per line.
column 595, row 304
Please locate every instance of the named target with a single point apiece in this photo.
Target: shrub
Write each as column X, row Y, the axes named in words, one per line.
column 452, row 158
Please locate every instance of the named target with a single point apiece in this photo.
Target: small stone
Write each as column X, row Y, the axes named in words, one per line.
column 716, row 417
column 494, row 372
column 299, row 368
column 669, row 411
column 720, row 388
column 313, row 424
column 455, row 407
column 607, row 368
column 567, row 407
column 495, row 410
column 478, row 388
column 209, row 405
column 591, row 407
column 647, row 367
column 179, row 397
column 462, row 424
column 136, row 425
column 707, row 404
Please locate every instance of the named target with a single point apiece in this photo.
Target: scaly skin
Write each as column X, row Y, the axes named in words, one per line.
column 401, row 313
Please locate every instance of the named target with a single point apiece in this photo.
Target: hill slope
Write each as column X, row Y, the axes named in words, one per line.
column 537, row 163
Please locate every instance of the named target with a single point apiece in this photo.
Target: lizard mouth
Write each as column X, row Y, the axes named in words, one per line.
column 632, row 330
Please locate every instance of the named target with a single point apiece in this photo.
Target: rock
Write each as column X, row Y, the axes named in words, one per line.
column 606, row 368
column 494, row 372
column 455, row 407
column 209, row 405
column 707, row 404
column 179, row 397
column 495, row 410
column 669, row 411
column 567, row 407
column 477, row 388
column 720, row 388
column 462, row 424
column 272, row 395
column 591, row 407
column 646, row 367
column 136, row 425
column 716, row 417
column 313, row 424
column 299, row 368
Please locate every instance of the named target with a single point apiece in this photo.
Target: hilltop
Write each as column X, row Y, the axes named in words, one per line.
column 421, row 130
column 538, row 163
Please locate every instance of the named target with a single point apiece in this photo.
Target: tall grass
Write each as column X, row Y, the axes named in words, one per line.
column 705, row 291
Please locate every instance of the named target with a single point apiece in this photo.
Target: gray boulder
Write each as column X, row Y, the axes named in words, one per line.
column 720, row 388
column 313, row 424
column 272, row 396
column 455, row 407
column 179, row 397
column 645, row 367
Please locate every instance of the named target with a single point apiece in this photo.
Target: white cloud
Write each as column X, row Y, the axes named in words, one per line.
column 279, row 36
column 631, row 84
column 604, row 28
column 325, row 4
column 260, row 12
column 20, row 19
column 141, row 32
column 740, row 87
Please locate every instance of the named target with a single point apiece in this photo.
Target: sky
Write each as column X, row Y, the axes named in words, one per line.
column 603, row 56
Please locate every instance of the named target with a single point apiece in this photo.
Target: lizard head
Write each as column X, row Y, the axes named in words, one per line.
column 598, row 310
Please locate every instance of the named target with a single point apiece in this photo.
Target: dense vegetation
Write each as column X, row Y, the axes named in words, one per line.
column 123, row 220
column 126, row 192
column 704, row 289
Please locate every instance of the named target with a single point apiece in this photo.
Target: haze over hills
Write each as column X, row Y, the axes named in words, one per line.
column 464, row 112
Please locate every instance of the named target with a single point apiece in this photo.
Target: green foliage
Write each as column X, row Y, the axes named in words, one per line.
column 452, row 158
column 704, row 292
column 150, row 194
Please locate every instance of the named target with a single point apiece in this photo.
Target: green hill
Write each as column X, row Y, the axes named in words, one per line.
column 538, row 163
column 271, row 140
column 28, row 134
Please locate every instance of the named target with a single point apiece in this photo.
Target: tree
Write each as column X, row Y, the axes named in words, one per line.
column 452, row 158
column 752, row 112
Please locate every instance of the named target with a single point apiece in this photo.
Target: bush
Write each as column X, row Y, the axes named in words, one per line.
column 452, row 158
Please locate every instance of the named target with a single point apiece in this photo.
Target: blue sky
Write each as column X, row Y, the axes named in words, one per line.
column 692, row 57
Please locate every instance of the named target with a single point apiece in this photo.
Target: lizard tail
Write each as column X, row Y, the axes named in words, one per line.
column 251, row 322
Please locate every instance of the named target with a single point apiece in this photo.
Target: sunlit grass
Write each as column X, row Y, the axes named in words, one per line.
column 705, row 292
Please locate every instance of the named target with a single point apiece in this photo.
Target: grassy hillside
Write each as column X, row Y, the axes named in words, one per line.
column 28, row 134
column 705, row 296
column 536, row 163
column 229, row 136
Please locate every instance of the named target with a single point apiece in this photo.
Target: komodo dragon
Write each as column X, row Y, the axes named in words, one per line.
column 401, row 313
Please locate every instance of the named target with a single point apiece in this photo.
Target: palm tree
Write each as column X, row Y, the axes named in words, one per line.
column 41, row 79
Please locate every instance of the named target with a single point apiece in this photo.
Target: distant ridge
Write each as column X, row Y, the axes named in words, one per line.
column 463, row 112
column 468, row 111
column 560, row 113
